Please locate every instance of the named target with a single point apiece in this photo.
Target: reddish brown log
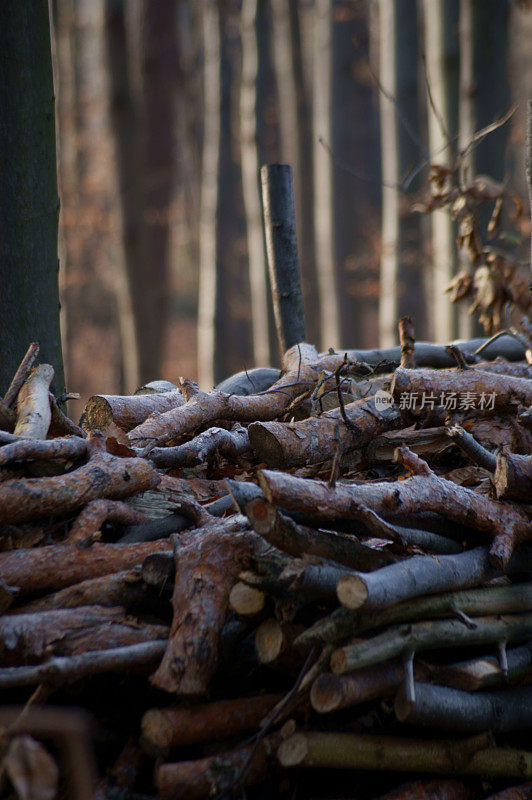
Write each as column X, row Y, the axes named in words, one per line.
column 513, row 477
column 95, row 513
column 43, row 450
column 57, row 566
column 29, row 638
column 332, row 692
column 424, row 491
column 282, row 532
column 22, row 373
column 273, row 643
column 127, row 411
column 123, row 588
column 104, row 476
column 303, row 367
column 508, row 392
column 317, row 439
column 214, row 775
column 176, row 727
column 437, row 789
column 33, row 404
column 205, row 572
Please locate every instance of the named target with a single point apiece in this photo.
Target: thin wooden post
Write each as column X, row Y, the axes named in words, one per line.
column 281, row 246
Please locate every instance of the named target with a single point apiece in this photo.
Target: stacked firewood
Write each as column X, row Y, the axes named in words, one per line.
column 316, row 580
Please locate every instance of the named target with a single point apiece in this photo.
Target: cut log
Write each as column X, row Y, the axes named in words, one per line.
column 405, row 639
column 71, row 447
column 29, row 638
column 58, row 565
column 283, row 533
column 214, row 775
column 456, row 710
column 64, row 669
column 459, row 389
column 205, row 573
column 273, row 643
column 90, row 520
column 513, row 477
column 317, row 439
column 33, row 404
column 424, row 491
column 331, row 693
column 177, row 727
column 104, row 476
column 387, row 753
column 483, row 673
column 127, row 411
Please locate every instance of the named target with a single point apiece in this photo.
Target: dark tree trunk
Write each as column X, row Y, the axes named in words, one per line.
column 29, row 203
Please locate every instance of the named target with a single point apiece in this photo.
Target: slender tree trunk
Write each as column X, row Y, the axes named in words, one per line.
column 466, row 130
column 208, row 229
column 323, row 177
column 250, row 184
column 29, row 203
column 440, row 22
column 389, row 276
column 296, row 141
column 126, row 146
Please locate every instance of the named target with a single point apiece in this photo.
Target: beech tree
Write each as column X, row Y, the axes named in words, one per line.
column 29, row 203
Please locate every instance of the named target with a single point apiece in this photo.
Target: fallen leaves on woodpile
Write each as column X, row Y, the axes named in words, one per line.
column 245, row 592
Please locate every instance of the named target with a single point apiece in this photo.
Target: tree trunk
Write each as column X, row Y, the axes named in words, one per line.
column 441, row 62
column 250, row 184
column 208, row 233
column 29, row 202
column 323, row 177
column 296, row 141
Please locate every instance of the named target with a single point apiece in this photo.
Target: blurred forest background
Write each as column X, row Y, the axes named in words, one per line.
column 167, row 108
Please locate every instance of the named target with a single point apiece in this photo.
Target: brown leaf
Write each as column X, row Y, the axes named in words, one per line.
column 31, row 769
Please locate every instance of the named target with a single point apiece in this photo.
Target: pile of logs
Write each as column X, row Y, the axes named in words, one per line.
column 316, row 581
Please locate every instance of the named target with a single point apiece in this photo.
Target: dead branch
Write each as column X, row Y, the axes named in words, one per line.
column 90, row 520
column 69, row 448
column 33, row 404
column 483, row 673
column 513, row 477
column 229, row 444
column 21, row 374
column 104, row 476
column 407, row 339
column 127, row 411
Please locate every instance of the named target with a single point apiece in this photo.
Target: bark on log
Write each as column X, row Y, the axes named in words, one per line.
column 205, row 572
column 21, row 374
column 387, row 753
column 29, row 638
column 405, row 639
column 424, row 491
column 415, row 577
column 343, row 623
column 56, row 566
column 302, row 368
column 90, row 520
column 154, row 529
column 63, row 669
column 508, row 392
column 437, row 789
column 72, row 447
column 33, row 404
column 104, row 476
column 251, row 381
column 230, row 444
column 127, row 411
column 331, row 693
column 214, row 775
column 283, row 533
column 513, row 477
column 317, row 439
column 456, row 710
column 483, row 673
column 177, row 727
column 407, row 339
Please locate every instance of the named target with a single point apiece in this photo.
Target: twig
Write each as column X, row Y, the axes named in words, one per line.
column 22, row 373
